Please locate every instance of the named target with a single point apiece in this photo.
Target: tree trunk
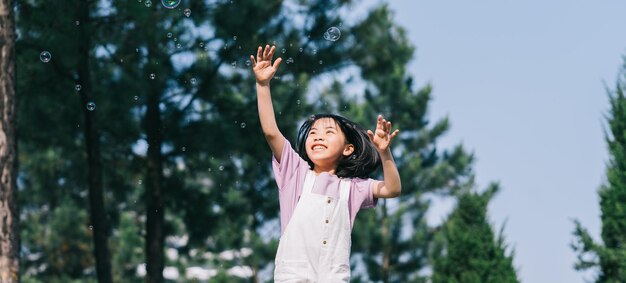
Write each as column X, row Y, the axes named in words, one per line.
column 386, row 242
column 9, row 215
column 99, row 219
column 154, row 192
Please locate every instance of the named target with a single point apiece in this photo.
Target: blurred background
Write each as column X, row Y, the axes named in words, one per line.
column 141, row 156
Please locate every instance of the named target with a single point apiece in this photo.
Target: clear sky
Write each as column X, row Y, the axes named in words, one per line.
column 523, row 83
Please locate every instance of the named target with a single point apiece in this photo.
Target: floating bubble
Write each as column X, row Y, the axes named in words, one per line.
column 152, row 76
column 298, row 101
column 187, row 12
column 183, row 149
column 45, row 56
column 332, row 34
column 91, row 106
column 301, row 49
column 201, row 44
column 221, row 168
column 321, row 62
column 136, row 98
column 139, row 182
column 314, row 51
column 170, row 4
column 234, row 64
column 169, row 35
column 243, row 125
column 235, row 38
column 78, row 87
column 148, row 3
column 193, row 81
column 90, row 227
column 283, row 50
column 248, row 63
column 77, row 22
column 289, row 60
column 178, row 45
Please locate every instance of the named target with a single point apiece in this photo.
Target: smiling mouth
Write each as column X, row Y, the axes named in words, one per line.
column 318, row 148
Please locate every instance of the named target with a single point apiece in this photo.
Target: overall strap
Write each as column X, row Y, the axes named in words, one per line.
column 308, row 182
column 345, row 188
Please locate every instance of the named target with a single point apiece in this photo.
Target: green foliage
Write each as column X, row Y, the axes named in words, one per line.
column 609, row 257
column 220, row 194
column 466, row 249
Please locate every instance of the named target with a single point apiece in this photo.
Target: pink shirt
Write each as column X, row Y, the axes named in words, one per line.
column 290, row 173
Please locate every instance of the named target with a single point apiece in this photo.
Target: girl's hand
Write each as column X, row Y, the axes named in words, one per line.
column 263, row 68
column 382, row 138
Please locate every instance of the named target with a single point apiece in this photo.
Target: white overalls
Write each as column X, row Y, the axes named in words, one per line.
column 315, row 247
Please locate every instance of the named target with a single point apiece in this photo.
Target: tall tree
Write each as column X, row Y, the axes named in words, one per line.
column 393, row 240
column 466, row 249
column 63, row 171
column 98, row 216
column 9, row 215
column 608, row 257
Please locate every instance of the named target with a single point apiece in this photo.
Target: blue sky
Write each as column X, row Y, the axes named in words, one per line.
column 523, row 83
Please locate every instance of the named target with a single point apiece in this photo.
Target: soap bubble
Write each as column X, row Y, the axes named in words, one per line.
column 283, row 50
column 148, row 3
column 243, row 125
column 332, row 34
column 91, row 106
column 193, row 81
column 170, row 4
column 289, row 61
column 187, row 13
column 169, row 35
column 45, row 56
column 78, row 87
column 248, row 63
column 152, row 76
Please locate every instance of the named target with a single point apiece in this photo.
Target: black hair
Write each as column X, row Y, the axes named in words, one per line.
column 363, row 160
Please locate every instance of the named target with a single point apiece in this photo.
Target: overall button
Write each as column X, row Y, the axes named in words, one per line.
column 324, row 242
column 328, row 201
column 326, row 221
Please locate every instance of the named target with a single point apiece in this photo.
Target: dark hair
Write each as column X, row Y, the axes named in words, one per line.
column 363, row 160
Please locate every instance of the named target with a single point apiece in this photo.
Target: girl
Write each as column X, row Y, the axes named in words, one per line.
column 323, row 185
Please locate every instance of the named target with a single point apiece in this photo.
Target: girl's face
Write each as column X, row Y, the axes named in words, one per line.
column 326, row 143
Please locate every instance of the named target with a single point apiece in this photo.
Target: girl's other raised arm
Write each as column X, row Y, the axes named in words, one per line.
column 264, row 70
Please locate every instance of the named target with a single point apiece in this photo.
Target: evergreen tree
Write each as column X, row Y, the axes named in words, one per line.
column 466, row 249
column 392, row 241
column 609, row 256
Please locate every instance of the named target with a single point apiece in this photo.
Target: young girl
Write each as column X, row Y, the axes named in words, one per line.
column 323, row 185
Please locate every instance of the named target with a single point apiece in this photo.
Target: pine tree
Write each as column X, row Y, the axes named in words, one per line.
column 609, row 256
column 392, row 241
column 466, row 249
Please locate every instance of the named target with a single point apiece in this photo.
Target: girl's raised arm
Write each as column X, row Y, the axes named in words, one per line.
column 264, row 70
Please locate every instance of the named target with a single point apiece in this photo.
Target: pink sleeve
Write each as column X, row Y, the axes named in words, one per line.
column 363, row 193
column 286, row 169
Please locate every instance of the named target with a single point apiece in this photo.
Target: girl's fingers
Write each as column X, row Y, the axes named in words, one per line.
column 259, row 54
column 395, row 133
column 370, row 135
column 253, row 61
column 271, row 53
column 266, row 51
column 277, row 62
